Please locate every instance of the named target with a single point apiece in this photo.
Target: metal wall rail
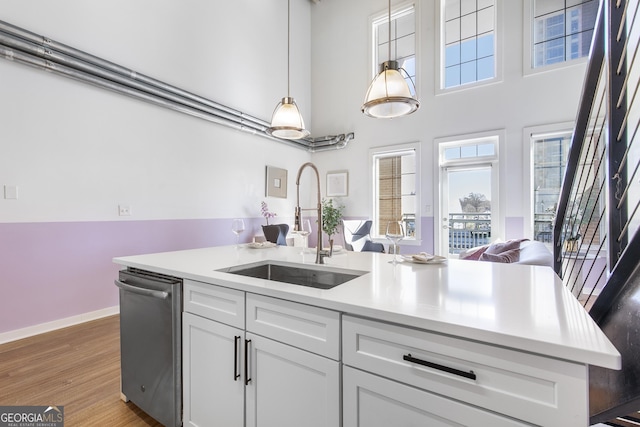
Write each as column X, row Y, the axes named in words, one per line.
column 20, row 45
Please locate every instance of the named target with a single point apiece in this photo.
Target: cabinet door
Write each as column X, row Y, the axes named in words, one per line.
column 372, row 401
column 212, row 394
column 290, row 387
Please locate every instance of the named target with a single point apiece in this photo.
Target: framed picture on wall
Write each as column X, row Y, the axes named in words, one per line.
column 337, row 184
column 276, row 182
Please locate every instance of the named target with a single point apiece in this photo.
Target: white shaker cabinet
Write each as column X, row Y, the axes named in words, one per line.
column 294, row 352
column 290, row 387
column 213, row 391
column 373, row 401
column 463, row 381
column 212, row 362
column 261, row 374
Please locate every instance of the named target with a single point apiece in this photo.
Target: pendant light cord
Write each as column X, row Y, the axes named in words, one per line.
column 289, row 47
column 389, row 30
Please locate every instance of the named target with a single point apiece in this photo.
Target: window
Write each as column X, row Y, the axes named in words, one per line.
column 550, row 153
column 469, row 211
column 468, row 31
column 403, row 41
column 395, row 188
column 562, row 30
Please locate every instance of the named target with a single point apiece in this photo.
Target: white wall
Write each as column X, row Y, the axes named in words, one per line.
column 76, row 151
column 340, row 75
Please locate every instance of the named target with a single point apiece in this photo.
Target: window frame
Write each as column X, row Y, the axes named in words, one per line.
column 496, row 161
column 401, row 8
column 527, row 48
column 440, row 40
column 529, row 134
column 390, row 151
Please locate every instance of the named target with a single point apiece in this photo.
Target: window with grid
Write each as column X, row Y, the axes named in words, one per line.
column 469, row 41
column 562, row 30
column 403, row 41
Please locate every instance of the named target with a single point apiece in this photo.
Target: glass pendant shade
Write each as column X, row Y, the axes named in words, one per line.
column 389, row 95
column 287, row 122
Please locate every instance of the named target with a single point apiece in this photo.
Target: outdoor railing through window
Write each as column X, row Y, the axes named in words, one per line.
column 468, row 230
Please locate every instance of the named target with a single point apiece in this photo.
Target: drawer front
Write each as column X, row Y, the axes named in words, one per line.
column 307, row 327
column 540, row 390
column 373, row 401
column 214, row 302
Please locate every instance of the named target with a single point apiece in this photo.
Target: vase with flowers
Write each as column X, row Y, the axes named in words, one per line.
column 264, row 209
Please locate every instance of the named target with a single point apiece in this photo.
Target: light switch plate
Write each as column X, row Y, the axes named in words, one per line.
column 11, row 192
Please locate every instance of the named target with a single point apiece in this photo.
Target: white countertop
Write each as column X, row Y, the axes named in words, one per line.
column 517, row 306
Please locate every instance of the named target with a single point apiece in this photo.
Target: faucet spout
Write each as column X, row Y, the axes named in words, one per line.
column 320, row 253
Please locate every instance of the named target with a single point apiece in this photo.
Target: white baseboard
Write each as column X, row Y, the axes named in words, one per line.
column 29, row 331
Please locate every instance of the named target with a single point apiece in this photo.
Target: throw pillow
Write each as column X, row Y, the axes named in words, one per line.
column 512, row 255
column 498, row 248
column 476, row 254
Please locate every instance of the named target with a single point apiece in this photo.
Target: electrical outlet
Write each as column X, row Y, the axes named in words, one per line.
column 124, row 210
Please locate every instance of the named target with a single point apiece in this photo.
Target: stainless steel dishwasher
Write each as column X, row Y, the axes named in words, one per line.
column 151, row 342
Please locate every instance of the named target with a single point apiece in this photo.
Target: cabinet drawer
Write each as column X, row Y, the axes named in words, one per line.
column 310, row 328
column 541, row 390
column 373, row 401
column 214, row 302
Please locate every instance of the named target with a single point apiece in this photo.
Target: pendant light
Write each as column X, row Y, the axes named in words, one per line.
column 389, row 95
column 287, row 122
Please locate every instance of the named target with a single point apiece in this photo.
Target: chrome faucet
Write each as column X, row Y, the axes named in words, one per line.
column 320, row 253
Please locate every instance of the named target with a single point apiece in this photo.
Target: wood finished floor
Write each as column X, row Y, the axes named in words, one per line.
column 76, row 367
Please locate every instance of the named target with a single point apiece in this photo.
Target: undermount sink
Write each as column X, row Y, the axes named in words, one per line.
column 296, row 274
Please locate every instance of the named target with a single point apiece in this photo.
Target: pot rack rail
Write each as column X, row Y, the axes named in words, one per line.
column 25, row 47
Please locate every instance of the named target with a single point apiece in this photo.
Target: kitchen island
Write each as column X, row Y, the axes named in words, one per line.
column 473, row 342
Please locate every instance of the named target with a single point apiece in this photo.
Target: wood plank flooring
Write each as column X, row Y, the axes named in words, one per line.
column 76, row 367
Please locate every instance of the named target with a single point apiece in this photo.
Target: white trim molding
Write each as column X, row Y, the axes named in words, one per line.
column 41, row 328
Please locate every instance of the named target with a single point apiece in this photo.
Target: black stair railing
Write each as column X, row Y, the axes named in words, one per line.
column 596, row 239
column 598, row 213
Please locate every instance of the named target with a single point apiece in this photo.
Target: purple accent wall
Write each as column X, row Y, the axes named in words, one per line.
column 426, row 224
column 54, row 270
column 51, row 271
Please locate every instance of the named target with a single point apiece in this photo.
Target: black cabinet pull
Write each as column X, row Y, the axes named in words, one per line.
column 471, row 375
column 246, row 362
column 236, row 344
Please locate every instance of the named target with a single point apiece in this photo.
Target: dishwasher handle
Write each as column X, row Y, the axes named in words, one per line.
column 142, row 291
